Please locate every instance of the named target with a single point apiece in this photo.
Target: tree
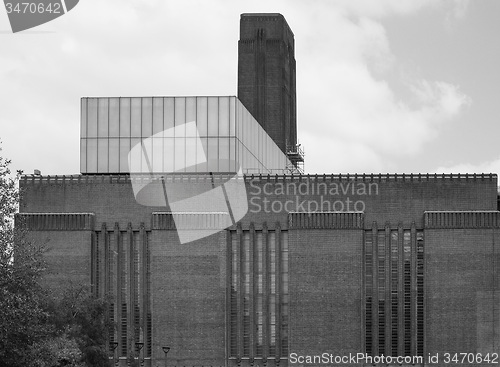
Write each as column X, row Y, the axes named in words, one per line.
column 78, row 326
column 21, row 296
column 56, row 352
column 83, row 318
column 38, row 329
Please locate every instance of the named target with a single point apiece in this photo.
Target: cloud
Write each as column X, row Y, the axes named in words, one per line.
column 381, row 8
column 455, row 9
column 459, row 10
column 346, row 96
column 492, row 166
column 116, row 48
column 456, row 12
column 441, row 100
column 143, row 48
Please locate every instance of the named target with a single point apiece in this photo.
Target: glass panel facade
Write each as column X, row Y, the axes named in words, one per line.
column 147, row 117
column 224, row 116
column 180, row 112
column 157, row 115
column 135, row 117
column 114, row 117
column 91, row 117
column 231, row 137
column 125, row 117
column 92, row 155
column 83, row 118
column 213, row 148
column 191, row 109
column 213, row 112
column 114, row 154
column 124, row 150
column 168, row 154
column 83, row 155
column 168, row 113
column 157, row 155
column 179, row 155
column 102, row 117
column 224, row 154
column 202, row 115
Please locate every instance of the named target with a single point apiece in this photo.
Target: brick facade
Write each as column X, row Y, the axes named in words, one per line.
column 185, row 287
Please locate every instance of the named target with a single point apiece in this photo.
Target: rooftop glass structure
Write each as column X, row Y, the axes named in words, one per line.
column 174, row 134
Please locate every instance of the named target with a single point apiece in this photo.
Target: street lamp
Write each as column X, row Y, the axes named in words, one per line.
column 138, row 347
column 165, row 350
column 113, row 346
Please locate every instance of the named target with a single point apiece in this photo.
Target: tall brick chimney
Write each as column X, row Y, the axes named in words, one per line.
column 266, row 75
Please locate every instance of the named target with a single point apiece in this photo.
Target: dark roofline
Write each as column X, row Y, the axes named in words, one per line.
column 123, row 178
column 253, row 15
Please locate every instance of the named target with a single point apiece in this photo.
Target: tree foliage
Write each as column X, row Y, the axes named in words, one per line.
column 21, row 297
column 83, row 318
column 37, row 328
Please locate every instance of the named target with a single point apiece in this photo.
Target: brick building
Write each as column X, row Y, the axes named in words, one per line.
column 379, row 264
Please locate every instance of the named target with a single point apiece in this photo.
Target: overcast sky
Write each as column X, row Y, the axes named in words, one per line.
column 382, row 86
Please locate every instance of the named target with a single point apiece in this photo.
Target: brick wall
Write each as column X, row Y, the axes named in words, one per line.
column 393, row 198
column 461, row 290
column 384, row 198
column 325, row 291
column 188, row 281
column 110, row 199
column 188, row 284
column 67, row 241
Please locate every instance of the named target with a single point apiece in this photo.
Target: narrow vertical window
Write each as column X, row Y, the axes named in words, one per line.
column 97, row 265
column 123, row 290
column 284, row 294
column 134, row 249
column 234, row 297
column 407, row 291
column 246, row 294
column 109, row 255
column 272, row 296
column 420, row 293
column 124, row 330
column 147, row 305
column 394, row 292
column 381, row 291
column 149, row 323
column 111, row 330
column 369, row 292
column 260, row 298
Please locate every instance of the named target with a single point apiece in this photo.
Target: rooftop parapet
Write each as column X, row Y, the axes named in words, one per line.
column 192, row 176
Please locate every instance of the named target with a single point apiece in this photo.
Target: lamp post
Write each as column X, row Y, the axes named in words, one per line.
column 165, row 350
column 113, row 346
column 138, row 347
